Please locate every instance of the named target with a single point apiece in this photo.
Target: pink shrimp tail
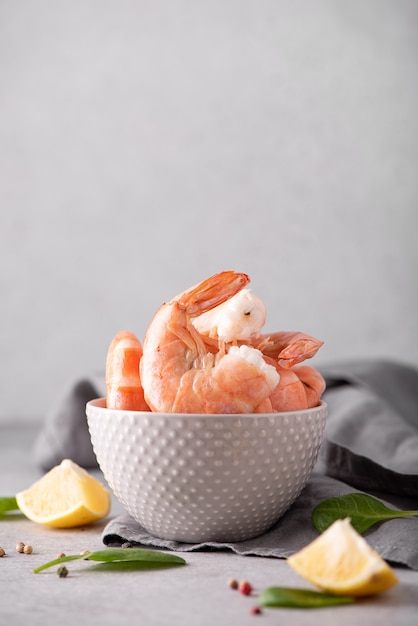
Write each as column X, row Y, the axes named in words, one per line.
column 203, row 297
column 288, row 347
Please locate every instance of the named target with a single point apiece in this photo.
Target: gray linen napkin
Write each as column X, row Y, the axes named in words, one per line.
column 395, row 540
column 371, row 445
column 65, row 434
column 371, row 437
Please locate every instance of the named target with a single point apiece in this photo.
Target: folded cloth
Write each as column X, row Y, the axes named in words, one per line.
column 65, row 434
column 371, row 436
column 371, row 445
column 395, row 540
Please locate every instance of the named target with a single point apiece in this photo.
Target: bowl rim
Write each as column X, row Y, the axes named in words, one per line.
column 100, row 403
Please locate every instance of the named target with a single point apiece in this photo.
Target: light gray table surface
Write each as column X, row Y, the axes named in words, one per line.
column 196, row 594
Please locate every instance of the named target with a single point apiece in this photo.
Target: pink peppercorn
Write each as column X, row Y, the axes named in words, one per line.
column 245, row 587
column 255, row 610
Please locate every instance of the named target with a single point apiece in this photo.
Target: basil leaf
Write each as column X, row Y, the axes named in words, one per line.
column 133, row 554
column 132, row 565
column 144, row 559
column 363, row 510
column 8, row 504
column 288, row 597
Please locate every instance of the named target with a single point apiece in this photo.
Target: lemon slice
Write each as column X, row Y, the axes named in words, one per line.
column 65, row 497
column 340, row 561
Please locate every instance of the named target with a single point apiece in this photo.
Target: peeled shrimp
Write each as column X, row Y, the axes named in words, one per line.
column 299, row 388
column 240, row 320
column 123, row 385
column 181, row 373
column 313, row 382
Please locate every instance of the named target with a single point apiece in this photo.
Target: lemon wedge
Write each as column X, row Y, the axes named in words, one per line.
column 65, row 497
column 340, row 561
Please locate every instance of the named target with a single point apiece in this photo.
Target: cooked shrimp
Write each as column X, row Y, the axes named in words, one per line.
column 289, row 394
column 241, row 318
column 313, row 382
column 299, row 388
column 180, row 373
column 123, row 385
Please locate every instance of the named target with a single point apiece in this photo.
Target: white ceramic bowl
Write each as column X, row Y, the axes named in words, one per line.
column 197, row 478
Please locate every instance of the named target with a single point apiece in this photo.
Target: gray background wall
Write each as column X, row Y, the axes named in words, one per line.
column 147, row 145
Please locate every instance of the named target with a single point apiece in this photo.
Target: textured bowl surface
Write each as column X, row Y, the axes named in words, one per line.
column 196, row 478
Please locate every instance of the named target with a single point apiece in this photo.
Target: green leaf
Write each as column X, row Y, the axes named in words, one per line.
column 120, row 557
column 131, row 565
column 288, row 597
column 8, row 504
column 363, row 510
